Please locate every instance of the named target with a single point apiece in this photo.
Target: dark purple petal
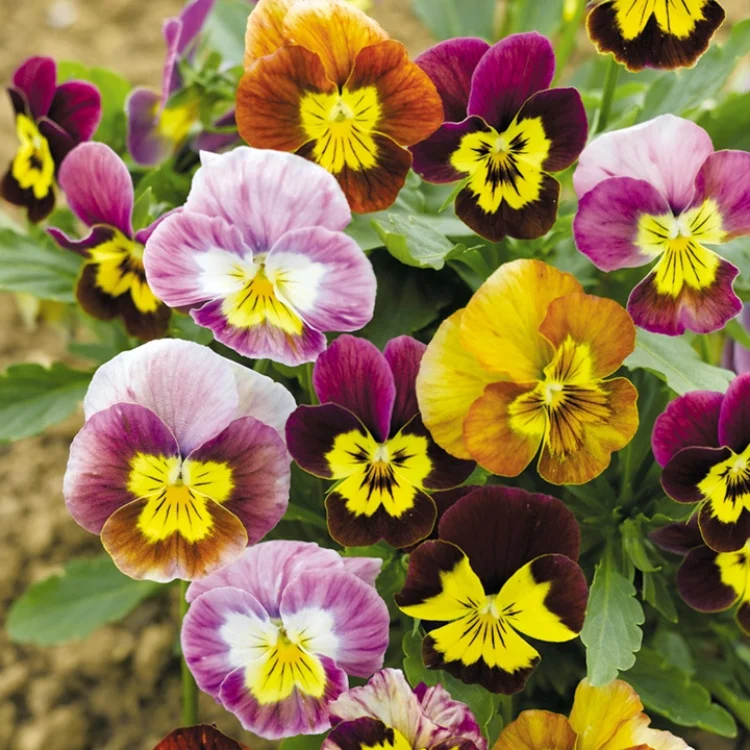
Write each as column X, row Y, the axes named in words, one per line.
column 96, row 237
column 36, row 209
column 699, row 582
column 361, row 733
column 724, row 537
column 450, row 66
column 18, row 102
column 77, row 109
column 508, row 74
column 687, row 468
column 403, row 355
column 145, row 144
column 36, row 78
column 678, row 538
column 60, row 143
column 203, row 737
column 432, row 158
column 734, row 419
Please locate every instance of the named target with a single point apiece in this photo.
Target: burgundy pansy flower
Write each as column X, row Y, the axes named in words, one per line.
column 201, row 737
column 505, row 131
column 703, row 442
column 113, row 282
column 708, row 581
column 50, row 121
column 368, row 436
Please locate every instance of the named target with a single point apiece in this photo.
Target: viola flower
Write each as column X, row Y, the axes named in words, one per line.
column 273, row 636
column 702, row 441
column 202, row 737
column 505, row 132
column 112, row 283
column 708, row 581
column 156, row 129
column 478, row 603
column 387, row 711
column 603, row 718
column 527, row 363
column 658, row 191
column 323, row 80
column 654, row 33
column 50, row 121
column 180, row 464
column 368, row 436
column 735, row 356
column 259, row 253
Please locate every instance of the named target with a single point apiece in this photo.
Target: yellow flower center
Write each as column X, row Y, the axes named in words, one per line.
column 33, row 166
column 175, row 122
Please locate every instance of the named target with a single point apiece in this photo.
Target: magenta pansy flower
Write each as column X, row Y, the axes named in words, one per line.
column 112, row 283
column 259, row 253
column 702, row 441
column 50, row 121
column 367, row 435
column 180, row 463
column 155, row 128
column 708, row 581
column 505, row 132
column 658, row 192
column 274, row 636
column 387, row 712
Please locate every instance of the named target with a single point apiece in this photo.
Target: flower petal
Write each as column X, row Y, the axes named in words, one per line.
column 454, row 718
column 365, row 568
column 36, row 79
column 403, row 355
column 432, row 157
column 36, row 209
column 265, row 29
column 724, row 535
column 687, row 468
column 77, row 109
column 146, row 144
column 534, row 730
column 679, row 537
column 201, row 736
column 734, row 418
column 366, row 732
column 701, row 579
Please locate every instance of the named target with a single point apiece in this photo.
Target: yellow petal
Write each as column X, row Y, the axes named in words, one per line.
column 265, row 29
column 537, row 730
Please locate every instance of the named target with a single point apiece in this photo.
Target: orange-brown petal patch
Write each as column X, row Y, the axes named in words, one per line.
column 500, row 326
column 505, row 427
column 265, row 29
column 201, row 737
column 269, row 97
column 601, row 325
column 537, row 730
column 334, row 30
column 411, row 108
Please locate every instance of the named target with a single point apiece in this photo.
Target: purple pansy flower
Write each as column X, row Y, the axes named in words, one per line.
column 736, row 356
column 658, row 191
column 113, row 283
column 258, row 251
column 50, row 121
column 702, row 440
column 289, row 604
column 425, row 718
column 368, row 436
column 154, row 129
column 505, row 131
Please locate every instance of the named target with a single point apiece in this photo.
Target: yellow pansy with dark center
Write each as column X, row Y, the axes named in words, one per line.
column 726, row 487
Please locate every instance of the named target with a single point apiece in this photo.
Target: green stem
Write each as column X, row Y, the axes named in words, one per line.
column 189, row 688
column 608, row 94
column 309, row 387
column 567, row 42
column 506, row 709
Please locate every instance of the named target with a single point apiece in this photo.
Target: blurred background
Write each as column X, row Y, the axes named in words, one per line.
column 119, row 688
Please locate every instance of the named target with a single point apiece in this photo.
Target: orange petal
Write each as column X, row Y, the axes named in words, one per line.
column 537, row 730
column 450, row 380
column 269, row 95
column 498, row 439
column 334, row 30
column 265, row 29
column 599, row 439
column 411, row 109
column 501, row 323
column 601, row 324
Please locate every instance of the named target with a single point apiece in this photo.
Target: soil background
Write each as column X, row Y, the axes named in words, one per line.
column 119, row 688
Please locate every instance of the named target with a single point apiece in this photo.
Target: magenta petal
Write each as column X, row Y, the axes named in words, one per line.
column 217, row 142
column 77, row 109
column 450, row 66
column 96, row 237
column 170, row 76
column 143, row 235
column 678, row 538
column 145, row 144
column 98, row 187
column 60, row 142
column 699, row 582
column 686, row 469
column 508, row 74
column 36, row 78
column 365, row 568
column 193, row 16
column 689, row 420
column 432, row 158
column 404, row 355
column 354, row 374
column 734, row 420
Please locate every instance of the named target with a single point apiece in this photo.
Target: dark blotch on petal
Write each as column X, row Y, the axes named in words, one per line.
column 687, row 468
column 699, row 582
column 724, row 537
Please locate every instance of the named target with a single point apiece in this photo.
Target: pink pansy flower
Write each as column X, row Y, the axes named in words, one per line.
column 659, row 192
column 273, row 636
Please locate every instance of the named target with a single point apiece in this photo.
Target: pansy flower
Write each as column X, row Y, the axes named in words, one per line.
column 658, row 192
column 505, row 132
column 156, row 129
column 201, row 737
column 504, row 567
column 528, row 364
column 180, row 463
column 50, row 121
column 387, row 713
column 654, row 33
column 112, row 283
column 367, row 435
column 702, row 441
column 325, row 81
column 259, row 254
column 603, row 718
column 708, row 581
column 273, row 636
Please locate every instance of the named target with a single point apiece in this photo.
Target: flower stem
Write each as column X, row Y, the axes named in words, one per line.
column 608, row 94
column 189, row 688
column 567, row 41
column 506, row 709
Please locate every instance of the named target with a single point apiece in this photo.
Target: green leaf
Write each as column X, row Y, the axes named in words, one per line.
column 37, row 267
column 142, row 209
column 89, row 594
column 657, row 594
column 451, row 18
column 666, row 690
column 633, row 544
column 673, row 360
column 33, row 397
column 736, row 332
column 303, row 742
column 225, row 29
column 611, row 632
column 413, row 241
